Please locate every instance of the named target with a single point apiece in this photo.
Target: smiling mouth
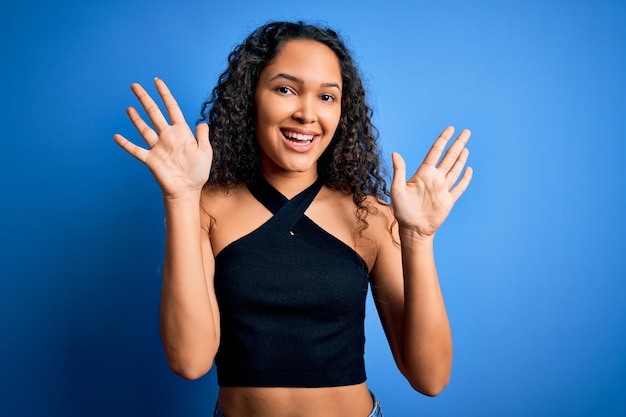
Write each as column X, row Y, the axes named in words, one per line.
column 297, row 137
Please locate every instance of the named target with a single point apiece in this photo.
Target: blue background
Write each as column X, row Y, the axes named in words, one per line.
column 531, row 260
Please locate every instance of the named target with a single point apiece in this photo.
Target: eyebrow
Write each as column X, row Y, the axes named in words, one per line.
column 300, row 81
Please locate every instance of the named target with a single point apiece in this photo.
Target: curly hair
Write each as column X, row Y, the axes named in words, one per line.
column 351, row 163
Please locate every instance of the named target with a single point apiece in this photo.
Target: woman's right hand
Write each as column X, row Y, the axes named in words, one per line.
column 180, row 162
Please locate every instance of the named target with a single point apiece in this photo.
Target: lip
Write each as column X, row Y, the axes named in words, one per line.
column 295, row 144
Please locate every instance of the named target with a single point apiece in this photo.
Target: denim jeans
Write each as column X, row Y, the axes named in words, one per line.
column 376, row 411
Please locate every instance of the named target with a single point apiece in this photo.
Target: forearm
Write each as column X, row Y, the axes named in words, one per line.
column 189, row 315
column 427, row 340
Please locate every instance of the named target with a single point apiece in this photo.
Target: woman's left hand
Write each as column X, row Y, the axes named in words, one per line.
column 422, row 203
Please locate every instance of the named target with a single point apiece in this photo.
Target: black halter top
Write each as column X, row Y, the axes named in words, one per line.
column 292, row 301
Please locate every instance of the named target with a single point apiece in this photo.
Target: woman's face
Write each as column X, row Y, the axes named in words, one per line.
column 298, row 106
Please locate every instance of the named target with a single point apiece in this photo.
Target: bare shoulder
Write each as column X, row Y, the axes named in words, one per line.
column 380, row 209
column 364, row 229
column 230, row 213
column 216, row 201
column 382, row 230
column 379, row 218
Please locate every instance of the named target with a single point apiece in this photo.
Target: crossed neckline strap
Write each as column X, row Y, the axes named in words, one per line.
column 284, row 209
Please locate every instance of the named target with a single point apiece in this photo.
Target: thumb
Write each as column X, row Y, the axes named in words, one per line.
column 202, row 136
column 399, row 170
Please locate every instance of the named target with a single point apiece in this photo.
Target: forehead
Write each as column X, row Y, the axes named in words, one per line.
column 305, row 59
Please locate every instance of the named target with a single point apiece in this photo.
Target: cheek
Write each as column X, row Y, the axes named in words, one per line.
column 332, row 120
column 272, row 110
column 264, row 118
column 264, row 108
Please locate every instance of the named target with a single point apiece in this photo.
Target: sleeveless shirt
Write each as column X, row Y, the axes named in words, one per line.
column 292, row 301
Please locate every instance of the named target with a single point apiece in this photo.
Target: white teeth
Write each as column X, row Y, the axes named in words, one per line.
column 297, row 136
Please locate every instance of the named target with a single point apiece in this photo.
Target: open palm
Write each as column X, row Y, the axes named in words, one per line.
column 424, row 201
column 179, row 161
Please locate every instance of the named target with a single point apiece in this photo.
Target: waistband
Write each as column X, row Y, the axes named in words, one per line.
column 376, row 411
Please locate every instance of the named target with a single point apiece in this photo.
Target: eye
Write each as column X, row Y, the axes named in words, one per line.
column 329, row 98
column 284, row 90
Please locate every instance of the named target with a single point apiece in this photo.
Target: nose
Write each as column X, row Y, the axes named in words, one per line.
column 305, row 113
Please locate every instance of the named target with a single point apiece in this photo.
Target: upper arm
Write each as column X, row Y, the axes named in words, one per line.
column 387, row 279
column 208, row 259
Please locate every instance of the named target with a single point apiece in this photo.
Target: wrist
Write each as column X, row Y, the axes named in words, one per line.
column 189, row 199
column 412, row 237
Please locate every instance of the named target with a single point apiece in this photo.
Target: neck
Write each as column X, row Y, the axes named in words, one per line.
column 289, row 184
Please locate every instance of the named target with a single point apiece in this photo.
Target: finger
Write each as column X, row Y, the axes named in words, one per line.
column 172, row 107
column 138, row 152
column 438, row 147
column 457, row 168
column 399, row 171
column 152, row 109
column 453, row 153
column 146, row 132
column 202, row 136
column 458, row 190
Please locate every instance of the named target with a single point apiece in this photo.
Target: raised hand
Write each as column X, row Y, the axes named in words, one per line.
column 424, row 201
column 180, row 162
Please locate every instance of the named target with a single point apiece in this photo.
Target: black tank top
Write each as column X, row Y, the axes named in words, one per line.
column 292, row 301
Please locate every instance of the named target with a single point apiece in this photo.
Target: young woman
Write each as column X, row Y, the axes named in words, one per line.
column 276, row 226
